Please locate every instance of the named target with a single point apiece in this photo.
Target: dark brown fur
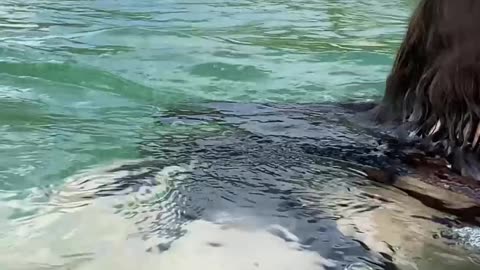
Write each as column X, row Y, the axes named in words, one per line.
column 434, row 85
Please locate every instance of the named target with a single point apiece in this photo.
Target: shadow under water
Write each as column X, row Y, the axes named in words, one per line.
column 255, row 187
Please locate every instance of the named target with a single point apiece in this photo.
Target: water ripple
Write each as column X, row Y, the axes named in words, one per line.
column 83, row 83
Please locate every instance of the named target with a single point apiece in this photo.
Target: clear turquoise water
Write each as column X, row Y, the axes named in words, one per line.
column 86, row 83
column 80, row 80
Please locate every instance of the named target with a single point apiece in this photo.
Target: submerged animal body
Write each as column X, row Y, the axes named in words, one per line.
column 434, row 86
column 286, row 173
column 290, row 174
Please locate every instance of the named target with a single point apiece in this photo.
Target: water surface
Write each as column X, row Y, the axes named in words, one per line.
column 133, row 135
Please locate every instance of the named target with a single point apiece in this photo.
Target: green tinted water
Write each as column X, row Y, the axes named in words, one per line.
column 80, row 80
column 83, row 84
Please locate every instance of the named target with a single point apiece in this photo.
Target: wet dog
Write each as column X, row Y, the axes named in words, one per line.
column 433, row 88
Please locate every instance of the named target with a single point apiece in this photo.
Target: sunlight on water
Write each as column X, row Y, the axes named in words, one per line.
column 132, row 135
column 62, row 234
column 218, row 200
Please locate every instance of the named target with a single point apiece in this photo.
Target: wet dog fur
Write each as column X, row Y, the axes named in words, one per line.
column 433, row 89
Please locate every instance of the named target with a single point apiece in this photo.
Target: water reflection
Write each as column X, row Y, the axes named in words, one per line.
column 280, row 183
column 81, row 80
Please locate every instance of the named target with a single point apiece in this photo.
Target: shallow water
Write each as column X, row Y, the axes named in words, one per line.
column 132, row 136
